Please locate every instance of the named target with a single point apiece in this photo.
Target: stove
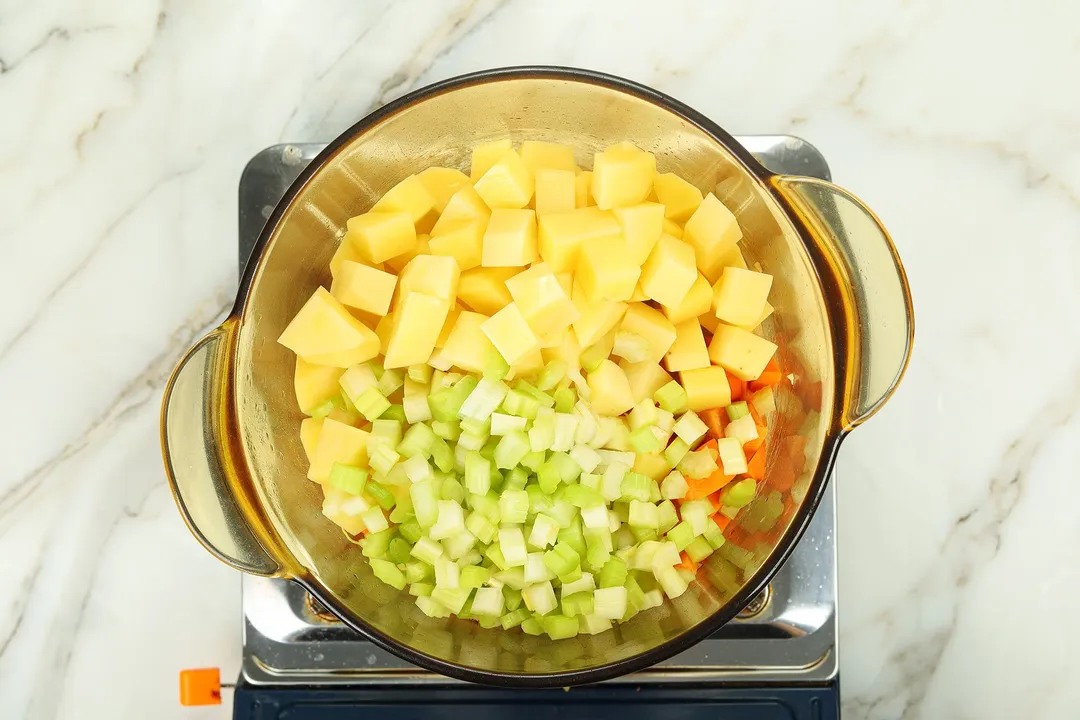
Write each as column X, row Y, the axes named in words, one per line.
column 777, row 659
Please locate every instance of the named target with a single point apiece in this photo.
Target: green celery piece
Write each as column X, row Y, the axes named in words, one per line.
column 683, row 534
column 420, row 373
column 511, row 449
column 452, row 490
column 394, row 412
column 375, row 545
column 668, row 517
column 699, row 549
column 398, row 551
column 390, row 381
column 565, row 399
column 671, row 397
column 516, row 479
column 418, row 440
column 384, row 497
column 738, row 494
column 532, row 626
column 496, row 367
column 411, row 531
column 512, row 598
column 371, row 404
column 613, row 574
column 644, row 441
column 538, row 499
column 548, row 478
column 323, row 409
column 559, row 627
column 561, row 559
column 581, row 496
column 473, row 576
column 572, row 536
column 580, row 603
column 388, row 573
column 403, row 511
column 442, row 455
column 737, row 410
column 568, row 469
column 514, row 618
column 635, row 486
column 447, row 430
column 418, row 571
column 533, row 460
column 348, row 478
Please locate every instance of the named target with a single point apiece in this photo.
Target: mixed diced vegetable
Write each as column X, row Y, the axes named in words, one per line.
column 535, row 394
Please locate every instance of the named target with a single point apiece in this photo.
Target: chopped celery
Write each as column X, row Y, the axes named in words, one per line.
column 403, row 509
column 425, row 502
column 630, row 346
column 742, row 429
column 427, row 550
column 494, row 554
column 690, row 428
column 544, row 531
column 533, row 460
column 698, row 464
column 683, row 534
column 398, row 551
column 454, row 599
column 512, row 598
column 502, row 424
column 394, row 412
column 371, row 404
column 739, row 494
column 450, row 522
column 562, row 512
column 486, row 505
column 447, row 430
column 540, row 597
column 580, row 603
column 644, row 440
column 418, row 469
column 586, row 458
column 411, row 531
column 599, row 538
column 581, row 496
column 348, row 478
column 764, row 401
column 595, row 517
column 485, row 397
column 377, row 544
column 496, row 368
column 588, row 479
column 542, row 397
column 595, row 354
column 442, row 455
column 737, row 410
column 384, row 497
column 565, row 398
column 447, row 574
column 731, row 456
column 516, row 479
column 542, row 432
column 565, row 430
column 535, row 569
column 421, row 589
column 415, row 401
column 671, row 581
column 635, row 486
column 513, row 506
column 418, row 440
column 513, row 578
column 643, row 515
column 514, row 618
column 488, row 601
column 482, row 528
column 390, row 382
column 451, row 489
column 324, row 409
column 666, row 555
column 418, row 571
column 420, row 373
column 641, row 534
column 674, row 486
column 477, row 473
column 512, row 545
column 388, row 573
column 511, row 449
column 699, row 549
column 447, row 402
column 696, row 512
column 671, row 397
column 562, row 559
column 432, row 607
column 611, row 486
column 382, row 458
column 609, row 601
column 548, row 478
column 551, row 375
column 560, row 627
column 713, row 535
column 642, row 414
column 531, row 626
column 520, row 404
column 667, row 516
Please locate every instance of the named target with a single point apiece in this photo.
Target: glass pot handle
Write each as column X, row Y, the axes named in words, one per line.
column 193, row 425
column 865, row 281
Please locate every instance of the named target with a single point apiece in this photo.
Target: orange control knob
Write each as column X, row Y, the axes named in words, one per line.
column 201, row 686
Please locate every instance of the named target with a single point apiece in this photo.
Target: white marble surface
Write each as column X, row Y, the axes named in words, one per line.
column 124, row 125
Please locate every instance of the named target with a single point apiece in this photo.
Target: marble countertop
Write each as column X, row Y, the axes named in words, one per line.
column 124, row 125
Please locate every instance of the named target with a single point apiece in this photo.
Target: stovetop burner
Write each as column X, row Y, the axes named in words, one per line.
column 786, row 636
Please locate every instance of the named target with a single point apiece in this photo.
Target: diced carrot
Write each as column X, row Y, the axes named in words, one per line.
column 769, row 377
column 755, row 466
column 758, row 420
column 714, row 419
column 752, row 446
column 703, row 487
column 738, row 387
column 721, row 520
column 687, row 562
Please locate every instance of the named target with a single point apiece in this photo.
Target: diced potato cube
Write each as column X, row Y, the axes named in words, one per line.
column 651, row 465
column 324, row 326
column 434, row 275
column 418, row 321
column 383, row 330
column 711, row 230
column 595, row 318
column 465, row 204
column 530, row 364
column 569, row 352
column 542, row 300
column 331, row 509
column 708, row 320
column 706, row 388
column 561, row 234
column 698, row 301
column 448, row 325
column 462, row 240
column 397, row 264
column 364, row 287
column 688, row 352
column 641, row 226
column 650, row 324
column 411, row 196
column 381, row 236
column 507, row 184
column 510, row 334
column 484, row 289
column 732, row 257
column 673, row 228
column 670, row 271
column 487, row 154
column 337, row 443
column 606, row 270
column 468, row 347
column 583, row 189
column 347, row 251
column 566, row 280
column 645, row 378
column 764, row 316
column 510, row 239
column 680, row 198
column 639, row 294
column 310, row 428
column 610, row 390
column 442, row 183
column 555, row 156
column 314, row 384
column 739, row 296
column 554, row 191
column 622, row 176
column 741, row 353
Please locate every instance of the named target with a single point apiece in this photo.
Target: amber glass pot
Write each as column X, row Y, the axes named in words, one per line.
column 230, row 423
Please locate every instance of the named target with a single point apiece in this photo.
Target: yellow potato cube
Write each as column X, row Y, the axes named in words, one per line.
column 383, row 330
column 555, row 156
column 583, row 189
column 732, row 257
column 673, row 228
column 487, row 154
column 764, row 316
column 553, row 339
column 465, row 204
column 310, row 428
column 688, row 352
column 561, row 234
column 554, row 191
column 708, row 320
column 510, row 239
column 622, row 176
column 639, row 294
column 448, row 326
column 739, row 296
column 645, row 378
column 651, row 465
column 347, row 251
column 740, row 352
column 331, row 510
column 679, row 198
column 595, row 318
column 610, row 390
column 711, row 230
column 706, row 388
column 468, row 347
column 342, row 358
column 670, row 271
column 510, row 334
column 542, row 300
column 606, row 270
column 410, row 195
column 484, row 289
column 418, row 321
column 314, row 384
column 462, row 240
column 529, row 365
column 324, row 326
column 397, row 264
column 698, row 301
column 442, row 183
column 650, row 324
column 507, row 184
column 569, row 352
column 434, row 275
column 381, row 236
column 641, row 226
column 337, row 443
column 566, row 281
column 364, row 288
